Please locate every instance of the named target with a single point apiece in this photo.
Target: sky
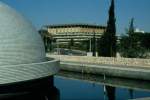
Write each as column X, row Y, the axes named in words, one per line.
column 45, row 12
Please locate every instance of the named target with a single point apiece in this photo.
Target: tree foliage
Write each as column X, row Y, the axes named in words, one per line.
column 129, row 47
column 107, row 43
column 71, row 43
column 134, row 45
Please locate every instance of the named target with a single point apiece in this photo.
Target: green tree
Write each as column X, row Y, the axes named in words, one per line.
column 71, row 43
column 131, row 27
column 145, row 41
column 134, row 45
column 130, row 46
column 107, row 43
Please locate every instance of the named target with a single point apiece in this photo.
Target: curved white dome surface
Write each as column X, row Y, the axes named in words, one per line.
column 20, row 43
column 22, row 53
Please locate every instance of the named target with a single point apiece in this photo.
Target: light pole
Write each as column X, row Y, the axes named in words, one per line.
column 94, row 44
column 90, row 45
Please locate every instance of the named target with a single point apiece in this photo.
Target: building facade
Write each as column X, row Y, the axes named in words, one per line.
column 66, row 33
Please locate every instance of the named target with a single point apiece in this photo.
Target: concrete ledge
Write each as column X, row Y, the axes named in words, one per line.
column 116, row 67
column 148, row 98
column 25, row 72
column 108, row 70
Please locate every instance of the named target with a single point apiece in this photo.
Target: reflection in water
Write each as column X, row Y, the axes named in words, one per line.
column 111, row 81
column 43, row 91
column 96, row 87
column 131, row 93
column 52, row 94
column 110, row 92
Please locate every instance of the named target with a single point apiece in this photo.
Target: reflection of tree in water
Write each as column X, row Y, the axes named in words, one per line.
column 131, row 93
column 110, row 92
column 53, row 94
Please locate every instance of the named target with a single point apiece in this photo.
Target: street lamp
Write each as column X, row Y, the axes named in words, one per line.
column 94, row 44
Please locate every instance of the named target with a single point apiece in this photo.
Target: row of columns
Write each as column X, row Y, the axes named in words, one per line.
column 91, row 44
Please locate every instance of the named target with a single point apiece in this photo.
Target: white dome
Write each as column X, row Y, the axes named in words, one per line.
column 22, row 53
column 20, row 43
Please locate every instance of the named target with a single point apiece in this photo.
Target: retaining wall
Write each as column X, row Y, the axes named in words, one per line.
column 104, row 60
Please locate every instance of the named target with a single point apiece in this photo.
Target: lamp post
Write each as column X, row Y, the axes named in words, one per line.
column 94, row 44
column 90, row 45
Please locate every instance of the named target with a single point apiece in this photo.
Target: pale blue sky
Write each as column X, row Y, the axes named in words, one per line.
column 42, row 12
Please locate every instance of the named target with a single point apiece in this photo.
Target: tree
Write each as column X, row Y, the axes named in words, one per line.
column 145, row 41
column 107, row 43
column 131, row 27
column 130, row 46
column 110, row 92
column 71, row 43
column 134, row 45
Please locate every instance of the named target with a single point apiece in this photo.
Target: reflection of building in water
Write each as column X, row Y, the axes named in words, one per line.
column 66, row 33
column 23, row 65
